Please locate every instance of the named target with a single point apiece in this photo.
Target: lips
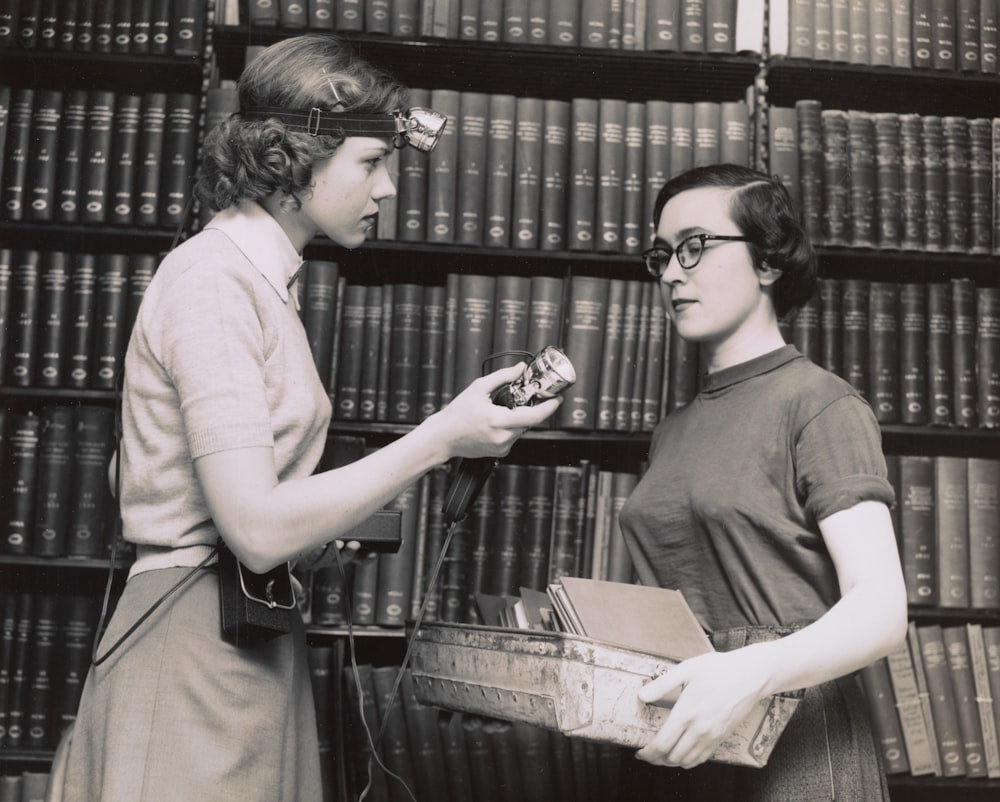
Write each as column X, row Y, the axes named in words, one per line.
column 680, row 304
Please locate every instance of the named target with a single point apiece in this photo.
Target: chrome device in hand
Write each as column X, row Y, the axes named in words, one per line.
column 548, row 374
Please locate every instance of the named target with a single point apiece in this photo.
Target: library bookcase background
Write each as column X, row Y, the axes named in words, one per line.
column 593, row 457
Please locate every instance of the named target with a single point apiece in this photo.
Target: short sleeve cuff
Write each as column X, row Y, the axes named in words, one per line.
column 845, row 493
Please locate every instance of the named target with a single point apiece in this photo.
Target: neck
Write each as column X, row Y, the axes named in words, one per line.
column 753, row 339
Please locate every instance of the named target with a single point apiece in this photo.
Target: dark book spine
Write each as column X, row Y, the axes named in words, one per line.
column 90, row 501
column 6, row 290
column 384, row 354
column 82, row 317
column 984, row 532
column 888, row 180
column 8, row 22
column 609, row 192
column 583, row 333
column 511, row 492
column 368, row 381
column 533, row 568
column 500, row 150
column 121, row 30
column 634, row 212
column 988, row 36
column 43, row 155
column 856, row 336
column 19, row 482
column 840, row 30
column 412, row 191
column 967, row 36
column 783, row 149
column 141, row 268
column 17, row 153
column 963, row 349
column 443, row 170
column 566, row 518
column 424, row 741
column 124, row 152
column 393, row 725
column 432, row 337
column 880, row 33
column 884, row 350
column 861, row 168
column 96, row 161
column 351, row 353
column 951, row 508
column 922, row 34
column 942, row 698
column 110, row 336
column 650, row 295
column 657, row 155
column 43, row 663
column 19, row 671
column 476, row 308
column 177, row 173
column 902, row 34
column 320, row 313
column 54, row 481
column 510, row 320
column 54, row 296
column 963, row 687
column 378, row 16
column 482, row 766
column 913, row 353
column 188, row 28
column 988, row 356
column 912, row 181
column 555, row 176
column 935, row 183
column 104, row 25
column 980, row 186
column 943, row 35
column 612, row 354
column 142, row 26
column 22, row 333
column 473, row 118
column 69, row 160
column 29, row 20
column 957, row 184
column 84, row 26
column 395, row 571
column 582, row 189
column 526, row 199
column 404, row 371
column 663, row 25
column 429, row 587
column 627, row 365
column 800, row 29
column 836, row 178
column 160, row 28
column 77, row 622
column 481, row 528
column 681, row 138
column 293, row 15
column 656, row 357
column 885, row 720
column 940, row 368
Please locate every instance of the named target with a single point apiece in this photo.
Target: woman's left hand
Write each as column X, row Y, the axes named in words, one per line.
column 717, row 691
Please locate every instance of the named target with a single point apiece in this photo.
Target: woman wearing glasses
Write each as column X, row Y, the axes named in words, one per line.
column 766, row 503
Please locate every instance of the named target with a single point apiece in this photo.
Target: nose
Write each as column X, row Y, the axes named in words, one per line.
column 673, row 273
column 384, row 187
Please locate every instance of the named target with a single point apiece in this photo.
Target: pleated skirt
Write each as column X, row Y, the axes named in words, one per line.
column 177, row 713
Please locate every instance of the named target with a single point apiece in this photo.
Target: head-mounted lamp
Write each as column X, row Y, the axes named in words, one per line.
column 419, row 127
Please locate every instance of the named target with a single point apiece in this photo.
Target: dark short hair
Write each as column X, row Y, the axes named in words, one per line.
column 251, row 159
column 762, row 210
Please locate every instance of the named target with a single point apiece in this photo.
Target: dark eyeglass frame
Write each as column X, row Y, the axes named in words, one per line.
column 658, row 268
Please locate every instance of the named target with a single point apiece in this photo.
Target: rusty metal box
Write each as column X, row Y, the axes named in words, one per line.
column 576, row 685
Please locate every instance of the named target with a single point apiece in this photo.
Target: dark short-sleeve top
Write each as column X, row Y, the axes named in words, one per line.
column 738, row 478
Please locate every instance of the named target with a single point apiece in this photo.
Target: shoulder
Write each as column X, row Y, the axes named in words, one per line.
column 812, row 388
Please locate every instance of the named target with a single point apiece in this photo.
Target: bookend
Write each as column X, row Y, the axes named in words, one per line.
column 255, row 607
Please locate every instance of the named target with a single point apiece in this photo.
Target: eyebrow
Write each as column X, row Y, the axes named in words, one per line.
column 683, row 234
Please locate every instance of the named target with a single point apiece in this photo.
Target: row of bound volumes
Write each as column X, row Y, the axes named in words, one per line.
column 704, row 26
column 446, row 756
column 889, row 181
column 27, row 786
column 920, row 353
column 399, row 352
column 45, row 651
column 54, row 494
column 555, row 175
column 953, row 35
column 529, row 526
column 65, row 318
column 948, row 527
column 935, row 702
column 129, row 27
column 97, row 156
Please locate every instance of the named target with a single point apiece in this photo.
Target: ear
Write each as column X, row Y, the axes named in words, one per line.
column 768, row 275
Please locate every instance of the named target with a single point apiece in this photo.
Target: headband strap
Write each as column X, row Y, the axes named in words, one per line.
column 331, row 123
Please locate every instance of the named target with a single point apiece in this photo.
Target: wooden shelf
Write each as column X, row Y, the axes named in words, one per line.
column 527, row 70
column 121, row 72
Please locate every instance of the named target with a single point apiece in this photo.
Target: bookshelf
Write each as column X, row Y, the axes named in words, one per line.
column 528, row 70
column 51, row 603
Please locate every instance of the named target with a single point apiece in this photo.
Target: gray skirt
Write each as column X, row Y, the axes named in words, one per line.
column 179, row 714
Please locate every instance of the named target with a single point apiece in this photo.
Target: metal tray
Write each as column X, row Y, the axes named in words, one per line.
column 576, row 685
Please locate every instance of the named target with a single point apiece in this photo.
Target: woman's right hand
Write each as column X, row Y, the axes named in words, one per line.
column 473, row 426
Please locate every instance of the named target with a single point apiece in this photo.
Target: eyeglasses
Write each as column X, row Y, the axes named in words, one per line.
column 689, row 252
